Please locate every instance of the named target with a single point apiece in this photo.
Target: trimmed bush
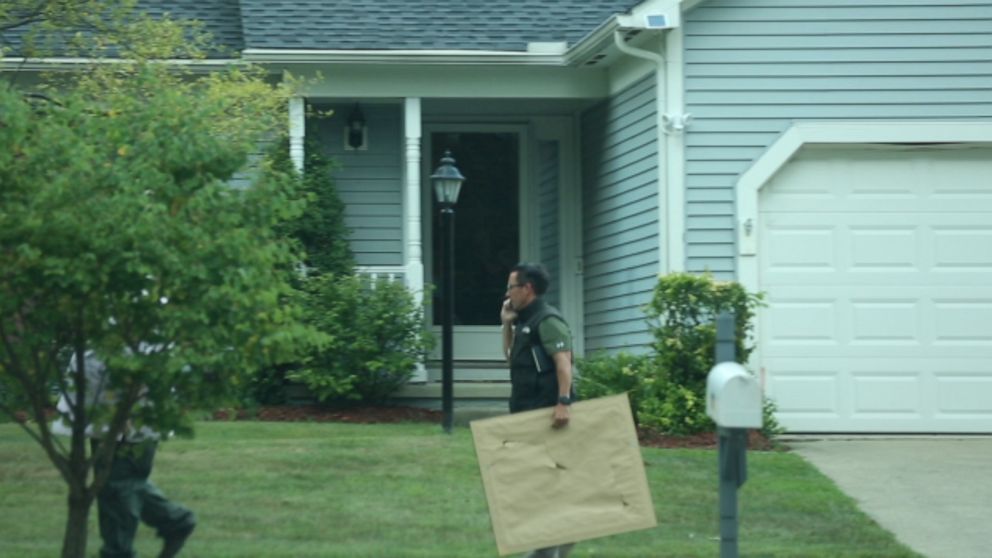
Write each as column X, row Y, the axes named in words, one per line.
column 668, row 386
column 682, row 316
column 604, row 374
column 377, row 338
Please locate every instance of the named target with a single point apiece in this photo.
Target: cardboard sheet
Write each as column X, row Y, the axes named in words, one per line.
column 547, row 487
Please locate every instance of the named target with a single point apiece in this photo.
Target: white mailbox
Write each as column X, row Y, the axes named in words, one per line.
column 733, row 396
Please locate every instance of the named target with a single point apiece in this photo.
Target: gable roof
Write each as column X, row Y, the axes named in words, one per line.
column 492, row 25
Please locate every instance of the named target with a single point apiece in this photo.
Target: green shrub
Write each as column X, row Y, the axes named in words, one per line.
column 655, row 401
column 604, row 374
column 668, row 386
column 321, row 228
column 675, row 409
column 321, row 232
column 378, row 337
column 682, row 317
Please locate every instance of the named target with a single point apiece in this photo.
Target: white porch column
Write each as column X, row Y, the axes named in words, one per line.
column 413, row 248
column 297, row 129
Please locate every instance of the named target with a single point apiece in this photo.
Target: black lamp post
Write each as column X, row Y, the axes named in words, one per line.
column 447, row 182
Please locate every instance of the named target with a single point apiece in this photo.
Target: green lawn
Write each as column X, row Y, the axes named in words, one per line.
column 394, row 491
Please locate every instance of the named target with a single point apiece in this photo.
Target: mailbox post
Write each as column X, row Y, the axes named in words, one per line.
column 733, row 401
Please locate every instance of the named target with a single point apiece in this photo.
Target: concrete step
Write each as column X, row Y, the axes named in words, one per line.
column 471, row 371
column 460, row 390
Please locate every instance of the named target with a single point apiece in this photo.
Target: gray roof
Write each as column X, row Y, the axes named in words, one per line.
column 502, row 25
column 221, row 18
column 495, row 25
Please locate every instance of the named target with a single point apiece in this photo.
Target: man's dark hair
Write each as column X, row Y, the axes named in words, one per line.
column 533, row 273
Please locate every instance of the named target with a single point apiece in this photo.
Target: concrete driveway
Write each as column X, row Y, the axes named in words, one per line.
column 933, row 493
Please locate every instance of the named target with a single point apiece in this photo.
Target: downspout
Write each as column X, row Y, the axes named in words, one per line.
column 669, row 157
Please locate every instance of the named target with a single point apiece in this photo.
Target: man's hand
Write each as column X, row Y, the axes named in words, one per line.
column 561, row 416
column 507, row 314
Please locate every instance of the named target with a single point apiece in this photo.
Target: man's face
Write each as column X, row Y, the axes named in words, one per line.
column 520, row 295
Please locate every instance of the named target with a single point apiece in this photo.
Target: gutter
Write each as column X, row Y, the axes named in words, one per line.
column 47, row 64
column 433, row 57
column 671, row 121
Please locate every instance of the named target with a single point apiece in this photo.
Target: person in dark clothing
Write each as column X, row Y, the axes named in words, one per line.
column 128, row 497
column 538, row 346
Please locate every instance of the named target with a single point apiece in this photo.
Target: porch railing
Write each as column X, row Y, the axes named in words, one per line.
column 391, row 273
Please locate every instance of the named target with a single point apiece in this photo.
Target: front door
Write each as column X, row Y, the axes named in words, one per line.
column 487, row 232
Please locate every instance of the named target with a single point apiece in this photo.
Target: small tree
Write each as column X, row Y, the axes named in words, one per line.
column 320, row 228
column 118, row 234
column 321, row 233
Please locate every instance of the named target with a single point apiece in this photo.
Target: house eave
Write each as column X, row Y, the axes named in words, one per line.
column 423, row 57
column 16, row 64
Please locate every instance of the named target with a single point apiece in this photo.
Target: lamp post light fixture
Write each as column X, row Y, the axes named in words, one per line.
column 447, row 181
column 355, row 130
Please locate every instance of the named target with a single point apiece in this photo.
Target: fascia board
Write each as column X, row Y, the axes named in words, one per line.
column 425, row 57
column 690, row 4
column 49, row 64
column 438, row 81
column 593, row 42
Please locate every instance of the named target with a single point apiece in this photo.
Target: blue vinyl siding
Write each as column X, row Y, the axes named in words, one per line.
column 620, row 217
column 754, row 67
column 547, row 184
column 369, row 182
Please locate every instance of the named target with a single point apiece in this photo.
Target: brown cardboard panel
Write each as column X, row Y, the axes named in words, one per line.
column 547, row 487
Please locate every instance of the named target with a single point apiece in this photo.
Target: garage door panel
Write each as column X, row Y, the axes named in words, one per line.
column 800, row 321
column 965, row 249
column 892, row 395
column 884, row 248
column 877, row 269
column 800, row 248
column 939, row 244
column 875, row 182
column 895, row 322
column 803, row 388
column 964, row 395
column 883, row 321
column 963, row 322
column 887, row 391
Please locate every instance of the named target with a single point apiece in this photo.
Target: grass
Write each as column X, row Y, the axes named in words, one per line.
column 327, row 490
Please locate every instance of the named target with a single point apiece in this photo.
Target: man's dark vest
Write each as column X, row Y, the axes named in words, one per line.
column 532, row 388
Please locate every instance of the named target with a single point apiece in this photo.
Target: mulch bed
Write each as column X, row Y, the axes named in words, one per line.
column 314, row 413
column 396, row 414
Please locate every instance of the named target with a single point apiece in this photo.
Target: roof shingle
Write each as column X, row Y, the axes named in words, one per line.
column 495, row 25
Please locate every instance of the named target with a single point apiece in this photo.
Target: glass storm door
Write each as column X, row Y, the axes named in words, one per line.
column 487, row 234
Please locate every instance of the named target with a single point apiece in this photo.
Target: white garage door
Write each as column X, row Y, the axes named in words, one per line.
column 877, row 264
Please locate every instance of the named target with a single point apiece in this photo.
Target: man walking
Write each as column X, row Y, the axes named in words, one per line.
column 128, row 495
column 538, row 346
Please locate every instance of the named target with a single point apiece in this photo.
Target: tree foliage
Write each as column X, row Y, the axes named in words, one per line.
column 119, row 234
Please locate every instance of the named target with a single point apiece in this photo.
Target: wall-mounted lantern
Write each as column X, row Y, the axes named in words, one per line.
column 356, row 132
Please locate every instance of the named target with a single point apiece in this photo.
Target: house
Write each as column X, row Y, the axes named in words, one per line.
column 836, row 156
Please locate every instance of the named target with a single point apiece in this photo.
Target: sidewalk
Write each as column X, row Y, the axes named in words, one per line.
column 933, row 492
